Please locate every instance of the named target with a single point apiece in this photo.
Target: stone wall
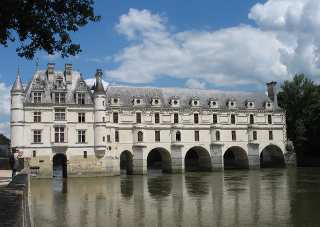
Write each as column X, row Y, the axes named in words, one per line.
column 14, row 203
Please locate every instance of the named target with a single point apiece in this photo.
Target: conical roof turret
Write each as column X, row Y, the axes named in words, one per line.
column 98, row 88
column 17, row 86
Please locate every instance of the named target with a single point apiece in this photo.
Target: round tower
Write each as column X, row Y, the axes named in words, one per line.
column 17, row 113
column 100, row 130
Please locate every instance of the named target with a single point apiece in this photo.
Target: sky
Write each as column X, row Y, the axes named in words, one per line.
column 202, row 44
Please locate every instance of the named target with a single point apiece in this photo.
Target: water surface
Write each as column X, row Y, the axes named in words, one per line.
column 268, row 197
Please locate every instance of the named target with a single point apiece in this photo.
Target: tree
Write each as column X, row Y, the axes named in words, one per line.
column 301, row 100
column 4, row 140
column 44, row 24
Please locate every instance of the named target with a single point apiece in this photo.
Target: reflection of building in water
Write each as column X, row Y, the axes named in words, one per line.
column 63, row 124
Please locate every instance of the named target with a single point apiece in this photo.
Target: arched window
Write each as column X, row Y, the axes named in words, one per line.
column 217, row 135
column 85, row 154
column 178, row 136
column 140, row 136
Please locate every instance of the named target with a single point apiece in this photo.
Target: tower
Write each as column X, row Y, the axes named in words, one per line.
column 100, row 130
column 17, row 113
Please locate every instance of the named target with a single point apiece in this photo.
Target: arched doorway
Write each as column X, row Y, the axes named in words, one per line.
column 60, row 165
column 197, row 159
column 272, row 157
column 126, row 163
column 235, row 158
column 159, row 159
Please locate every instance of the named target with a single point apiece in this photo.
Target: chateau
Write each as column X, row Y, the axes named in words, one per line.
column 62, row 124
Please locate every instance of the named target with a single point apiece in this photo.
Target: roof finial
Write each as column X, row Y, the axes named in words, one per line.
column 17, row 86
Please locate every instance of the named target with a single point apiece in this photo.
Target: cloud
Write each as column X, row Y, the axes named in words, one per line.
column 284, row 42
column 4, row 100
column 91, row 81
column 195, row 84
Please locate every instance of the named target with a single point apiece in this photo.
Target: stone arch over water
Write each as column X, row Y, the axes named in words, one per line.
column 235, row 158
column 126, row 162
column 272, row 157
column 159, row 159
column 197, row 159
column 59, row 165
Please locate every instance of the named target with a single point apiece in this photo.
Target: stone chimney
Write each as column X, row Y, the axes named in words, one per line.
column 272, row 92
column 50, row 71
column 68, row 72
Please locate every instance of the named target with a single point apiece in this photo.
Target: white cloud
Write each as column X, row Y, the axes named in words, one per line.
column 195, row 84
column 91, row 81
column 280, row 46
column 4, row 99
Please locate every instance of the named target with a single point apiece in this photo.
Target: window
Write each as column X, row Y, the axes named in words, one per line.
column 116, row 136
column 233, row 135
column 217, row 135
column 103, row 138
column 254, row 135
column 37, row 97
column 156, row 118
column 59, row 134
column 269, row 119
column 196, row 118
column 140, row 136
column 81, row 117
column 138, row 118
column 233, row 119
column 81, row 136
column 108, row 138
column 103, row 119
column 115, row 117
column 81, row 98
column 36, row 116
column 175, row 118
column 60, row 114
column 178, row 136
column 196, row 136
column 270, row 135
column 85, row 154
column 251, row 119
column 37, row 136
column 34, row 154
column 60, row 97
column 157, row 136
column 214, row 118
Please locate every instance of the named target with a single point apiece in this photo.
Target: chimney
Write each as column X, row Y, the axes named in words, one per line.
column 50, row 71
column 272, row 92
column 68, row 72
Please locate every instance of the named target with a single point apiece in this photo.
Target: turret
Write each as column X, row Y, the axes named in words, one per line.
column 100, row 130
column 17, row 114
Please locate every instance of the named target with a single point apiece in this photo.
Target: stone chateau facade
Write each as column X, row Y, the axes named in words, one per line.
column 62, row 124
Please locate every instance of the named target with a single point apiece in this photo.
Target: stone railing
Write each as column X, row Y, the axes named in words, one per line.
column 15, row 203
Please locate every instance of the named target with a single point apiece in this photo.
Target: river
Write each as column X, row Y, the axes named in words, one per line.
column 266, row 197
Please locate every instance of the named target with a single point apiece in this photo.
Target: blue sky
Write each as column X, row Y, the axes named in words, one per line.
column 231, row 45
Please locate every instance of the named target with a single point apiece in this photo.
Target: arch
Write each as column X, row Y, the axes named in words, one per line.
column 140, row 136
column 197, row 159
column 159, row 159
column 60, row 165
column 272, row 157
column 235, row 158
column 126, row 162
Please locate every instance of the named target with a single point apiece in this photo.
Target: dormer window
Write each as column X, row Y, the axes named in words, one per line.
column 137, row 101
column 231, row 104
column 155, row 101
column 115, row 101
column 81, row 98
column 250, row 104
column 37, row 97
column 213, row 103
column 195, row 101
column 60, row 97
column 269, row 105
column 175, row 102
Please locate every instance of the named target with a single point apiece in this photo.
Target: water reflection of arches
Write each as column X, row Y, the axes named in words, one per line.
column 126, row 186
column 59, row 165
column 235, row 158
column 159, row 186
column 159, row 159
column 126, row 162
column 197, row 159
column 197, row 185
column 271, row 156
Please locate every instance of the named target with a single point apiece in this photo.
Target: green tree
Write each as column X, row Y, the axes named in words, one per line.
column 44, row 24
column 301, row 100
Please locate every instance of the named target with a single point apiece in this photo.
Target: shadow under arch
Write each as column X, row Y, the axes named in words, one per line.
column 197, row 159
column 272, row 157
column 235, row 158
column 159, row 159
column 59, row 165
column 126, row 162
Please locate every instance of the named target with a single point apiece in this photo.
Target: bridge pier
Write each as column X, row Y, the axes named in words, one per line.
column 139, row 160
column 216, row 156
column 177, row 159
column 253, row 156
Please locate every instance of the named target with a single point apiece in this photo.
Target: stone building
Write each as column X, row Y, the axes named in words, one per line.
column 61, row 123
